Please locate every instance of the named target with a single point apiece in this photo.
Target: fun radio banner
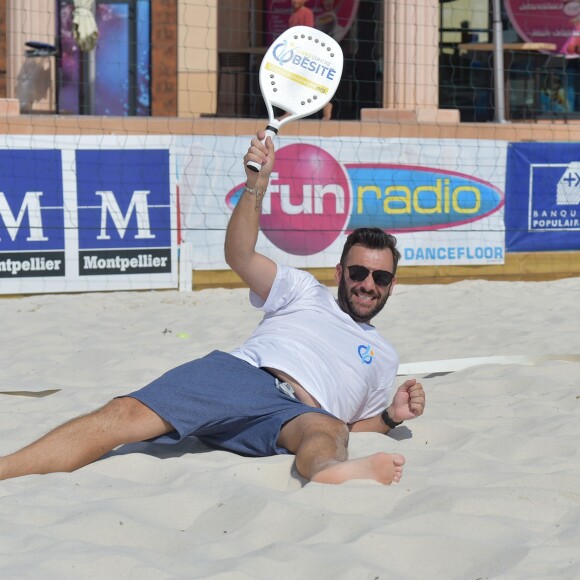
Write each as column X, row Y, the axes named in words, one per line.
column 83, row 214
column 543, row 197
column 443, row 199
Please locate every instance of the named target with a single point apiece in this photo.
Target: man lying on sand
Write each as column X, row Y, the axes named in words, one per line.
column 313, row 370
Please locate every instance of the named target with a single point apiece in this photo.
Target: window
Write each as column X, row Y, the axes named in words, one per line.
column 115, row 78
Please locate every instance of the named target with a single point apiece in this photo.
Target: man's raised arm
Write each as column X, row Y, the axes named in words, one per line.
column 257, row 271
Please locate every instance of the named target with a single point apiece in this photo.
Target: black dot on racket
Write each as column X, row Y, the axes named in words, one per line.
column 273, row 82
column 332, row 54
column 316, row 40
column 322, row 44
column 310, row 38
column 302, row 36
column 315, row 97
column 271, row 76
column 309, row 100
column 274, row 89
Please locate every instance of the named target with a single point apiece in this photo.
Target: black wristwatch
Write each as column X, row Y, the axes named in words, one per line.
column 388, row 421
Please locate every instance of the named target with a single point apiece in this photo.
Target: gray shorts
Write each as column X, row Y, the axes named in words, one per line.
column 224, row 401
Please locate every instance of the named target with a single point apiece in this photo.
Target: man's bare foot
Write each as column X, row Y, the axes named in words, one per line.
column 386, row 468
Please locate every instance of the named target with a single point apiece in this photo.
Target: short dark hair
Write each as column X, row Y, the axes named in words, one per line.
column 373, row 238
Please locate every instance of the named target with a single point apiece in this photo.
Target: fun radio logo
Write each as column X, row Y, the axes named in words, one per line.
column 308, row 201
column 312, row 199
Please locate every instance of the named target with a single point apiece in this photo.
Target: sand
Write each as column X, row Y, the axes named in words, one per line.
column 491, row 487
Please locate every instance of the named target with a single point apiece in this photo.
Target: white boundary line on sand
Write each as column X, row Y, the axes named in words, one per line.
column 459, row 364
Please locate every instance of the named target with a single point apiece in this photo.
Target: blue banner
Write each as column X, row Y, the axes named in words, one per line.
column 124, row 211
column 87, row 213
column 32, row 232
column 31, row 200
column 542, row 202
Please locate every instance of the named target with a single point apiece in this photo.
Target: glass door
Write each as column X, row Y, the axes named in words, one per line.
column 114, row 78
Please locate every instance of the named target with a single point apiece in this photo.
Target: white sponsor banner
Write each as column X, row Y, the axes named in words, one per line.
column 84, row 213
column 442, row 198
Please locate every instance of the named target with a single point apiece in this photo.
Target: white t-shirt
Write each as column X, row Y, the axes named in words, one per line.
column 345, row 365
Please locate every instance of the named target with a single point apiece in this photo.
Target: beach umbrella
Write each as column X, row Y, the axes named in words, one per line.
column 85, row 28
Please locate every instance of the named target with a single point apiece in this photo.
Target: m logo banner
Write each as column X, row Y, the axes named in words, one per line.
column 32, row 243
column 124, row 211
column 543, row 197
column 82, row 218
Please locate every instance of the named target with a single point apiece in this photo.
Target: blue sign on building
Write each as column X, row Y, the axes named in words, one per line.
column 32, row 232
column 542, row 208
column 124, row 211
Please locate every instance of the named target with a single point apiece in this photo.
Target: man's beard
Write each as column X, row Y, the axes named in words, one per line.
column 345, row 302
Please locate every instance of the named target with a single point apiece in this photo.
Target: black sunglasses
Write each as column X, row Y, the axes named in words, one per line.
column 360, row 273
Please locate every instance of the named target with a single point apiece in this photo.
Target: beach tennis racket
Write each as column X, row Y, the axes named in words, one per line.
column 299, row 74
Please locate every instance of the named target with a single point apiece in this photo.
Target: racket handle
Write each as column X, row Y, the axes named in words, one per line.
column 271, row 132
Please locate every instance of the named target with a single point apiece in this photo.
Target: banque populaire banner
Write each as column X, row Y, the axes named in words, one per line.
column 542, row 211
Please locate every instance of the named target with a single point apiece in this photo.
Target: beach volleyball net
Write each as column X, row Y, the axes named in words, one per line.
column 123, row 136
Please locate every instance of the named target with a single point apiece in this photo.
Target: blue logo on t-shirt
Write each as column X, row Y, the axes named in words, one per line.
column 365, row 353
